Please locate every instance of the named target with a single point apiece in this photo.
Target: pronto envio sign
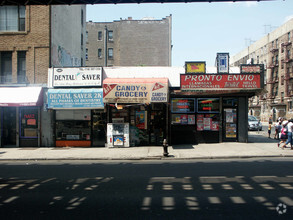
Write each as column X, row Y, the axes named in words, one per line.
column 83, row 76
column 219, row 81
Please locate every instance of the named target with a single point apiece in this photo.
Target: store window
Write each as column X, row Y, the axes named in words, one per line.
column 208, row 117
column 73, row 125
column 183, row 110
column 29, row 123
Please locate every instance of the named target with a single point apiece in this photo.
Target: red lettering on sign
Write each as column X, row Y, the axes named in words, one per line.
column 29, row 116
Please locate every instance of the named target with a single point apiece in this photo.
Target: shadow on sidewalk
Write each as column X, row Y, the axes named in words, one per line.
column 183, row 147
column 256, row 138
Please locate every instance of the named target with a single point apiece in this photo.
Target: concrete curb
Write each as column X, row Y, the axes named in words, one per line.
column 150, row 158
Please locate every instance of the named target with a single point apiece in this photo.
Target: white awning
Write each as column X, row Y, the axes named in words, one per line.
column 21, row 96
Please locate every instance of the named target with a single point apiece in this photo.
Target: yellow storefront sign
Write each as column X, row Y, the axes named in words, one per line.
column 195, row 67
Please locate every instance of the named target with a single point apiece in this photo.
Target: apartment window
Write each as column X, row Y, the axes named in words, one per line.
column 289, row 36
column 86, row 53
column 6, row 67
column 110, row 53
column 277, row 91
column 21, row 67
column 272, row 44
column 277, row 59
column 289, row 105
column 99, row 53
column 100, row 35
column 81, row 17
column 86, row 36
column 277, row 43
column 110, row 35
column 12, row 18
column 282, row 96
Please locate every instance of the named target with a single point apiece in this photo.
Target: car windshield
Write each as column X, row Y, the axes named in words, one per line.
column 252, row 118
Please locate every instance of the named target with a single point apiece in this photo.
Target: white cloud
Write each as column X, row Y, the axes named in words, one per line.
column 288, row 18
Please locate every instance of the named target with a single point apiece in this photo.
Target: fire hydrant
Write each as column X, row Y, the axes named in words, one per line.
column 165, row 147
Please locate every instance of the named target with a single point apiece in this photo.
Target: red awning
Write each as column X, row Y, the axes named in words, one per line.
column 21, row 96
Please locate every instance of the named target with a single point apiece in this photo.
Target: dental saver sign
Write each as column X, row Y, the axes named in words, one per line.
column 135, row 93
column 77, row 77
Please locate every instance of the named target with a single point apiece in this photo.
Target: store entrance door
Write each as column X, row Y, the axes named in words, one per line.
column 99, row 129
column 157, row 129
column 230, row 129
column 8, row 126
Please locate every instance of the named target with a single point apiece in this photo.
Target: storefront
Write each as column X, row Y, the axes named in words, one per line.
column 140, row 103
column 76, row 99
column 20, row 112
column 79, row 117
column 211, row 108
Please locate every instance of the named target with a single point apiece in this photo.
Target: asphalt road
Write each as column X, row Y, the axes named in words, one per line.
column 200, row 189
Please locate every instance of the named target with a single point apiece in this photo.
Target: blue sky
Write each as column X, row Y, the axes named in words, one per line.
column 201, row 30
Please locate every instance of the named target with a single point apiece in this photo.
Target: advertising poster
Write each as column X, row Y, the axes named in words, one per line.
column 207, row 124
column 118, row 140
column 140, row 119
column 195, row 67
column 215, row 126
column 191, row 119
column 231, row 131
column 199, row 122
column 184, row 119
column 229, row 116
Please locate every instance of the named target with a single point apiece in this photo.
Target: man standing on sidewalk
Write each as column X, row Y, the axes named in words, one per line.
column 290, row 129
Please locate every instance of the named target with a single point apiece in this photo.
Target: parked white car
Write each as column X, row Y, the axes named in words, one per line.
column 254, row 124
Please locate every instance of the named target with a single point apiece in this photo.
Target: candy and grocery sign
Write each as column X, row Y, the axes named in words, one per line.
column 136, row 93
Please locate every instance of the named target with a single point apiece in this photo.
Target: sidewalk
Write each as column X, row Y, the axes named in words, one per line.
column 259, row 146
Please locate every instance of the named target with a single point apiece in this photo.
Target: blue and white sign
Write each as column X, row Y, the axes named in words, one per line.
column 75, row 98
column 223, row 62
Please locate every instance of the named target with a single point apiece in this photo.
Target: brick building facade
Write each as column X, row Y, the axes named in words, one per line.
column 145, row 42
column 274, row 51
column 32, row 39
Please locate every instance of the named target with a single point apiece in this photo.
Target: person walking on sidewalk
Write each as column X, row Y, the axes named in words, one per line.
column 283, row 136
column 290, row 129
column 269, row 130
column 278, row 127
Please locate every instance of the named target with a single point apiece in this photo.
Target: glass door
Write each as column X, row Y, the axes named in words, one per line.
column 9, row 126
column 98, row 128
column 230, row 124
